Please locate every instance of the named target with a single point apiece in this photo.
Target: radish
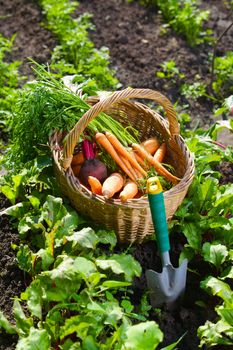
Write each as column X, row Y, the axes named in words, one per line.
column 91, row 166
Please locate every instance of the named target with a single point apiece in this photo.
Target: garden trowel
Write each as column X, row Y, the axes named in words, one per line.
column 169, row 285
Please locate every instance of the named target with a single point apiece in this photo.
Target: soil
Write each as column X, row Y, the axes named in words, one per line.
column 137, row 48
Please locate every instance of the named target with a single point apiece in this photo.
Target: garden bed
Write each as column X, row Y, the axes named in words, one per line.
column 137, row 49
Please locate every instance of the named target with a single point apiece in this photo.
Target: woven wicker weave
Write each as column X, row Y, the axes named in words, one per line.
column 131, row 220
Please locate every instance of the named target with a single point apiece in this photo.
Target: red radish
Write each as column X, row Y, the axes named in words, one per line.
column 91, row 166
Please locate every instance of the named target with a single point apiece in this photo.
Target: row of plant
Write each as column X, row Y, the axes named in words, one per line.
column 184, row 17
column 8, row 84
column 79, row 295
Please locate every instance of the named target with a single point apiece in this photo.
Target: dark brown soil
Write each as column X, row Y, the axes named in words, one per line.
column 11, row 278
column 23, row 19
column 137, row 48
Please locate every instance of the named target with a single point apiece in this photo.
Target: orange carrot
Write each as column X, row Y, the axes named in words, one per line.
column 129, row 191
column 96, row 186
column 131, row 169
column 151, row 145
column 78, row 159
column 160, row 153
column 135, row 171
column 120, row 148
column 158, row 166
column 112, row 185
column 104, row 142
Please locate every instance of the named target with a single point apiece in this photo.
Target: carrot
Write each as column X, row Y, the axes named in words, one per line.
column 96, row 186
column 151, row 145
column 158, row 166
column 78, row 159
column 104, row 142
column 141, row 161
column 120, row 148
column 160, row 153
column 112, row 184
column 131, row 169
column 135, row 171
column 129, row 191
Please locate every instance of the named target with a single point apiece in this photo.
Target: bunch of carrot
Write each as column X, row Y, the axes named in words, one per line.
column 134, row 163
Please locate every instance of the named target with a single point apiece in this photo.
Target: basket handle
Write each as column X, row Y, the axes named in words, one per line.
column 105, row 103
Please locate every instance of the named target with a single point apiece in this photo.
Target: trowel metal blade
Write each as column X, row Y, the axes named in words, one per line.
column 168, row 286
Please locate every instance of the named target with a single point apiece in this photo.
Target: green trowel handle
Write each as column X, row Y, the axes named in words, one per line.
column 158, row 214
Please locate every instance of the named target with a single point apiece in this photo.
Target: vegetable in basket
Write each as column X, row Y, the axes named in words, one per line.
column 112, row 185
column 92, row 166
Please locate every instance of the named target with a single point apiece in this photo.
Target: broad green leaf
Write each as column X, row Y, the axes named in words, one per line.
column 109, row 310
column 36, row 340
column 53, row 211
column 23, row 323
column 218, row 288
column 227, row 273
column 84, row 267
column 212, row 334
column 107, row 237
column 216, row 254
column 114, row 313
column 70, row 345
column 226, row 314
column 79, row 324
column 62, row 281
column 187, row 253
column 89, row 343
column 18, row 210
column 9, row 193
column 34, row 295
column 226, row 198
column 143, row 336
column 86, row 238
column 68, row 223
column 35, row 201
column 29, row 222
column 5, row 324
column 46, row 258
column 121, row 264
column 193, row 234
column 24, row 258
column 207, row 191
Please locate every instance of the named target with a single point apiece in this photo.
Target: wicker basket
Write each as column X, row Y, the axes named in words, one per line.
column 131, row 220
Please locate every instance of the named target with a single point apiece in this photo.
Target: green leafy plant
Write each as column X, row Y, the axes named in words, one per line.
column 223, row 82
column 71, row 301
column 219, row 333
column 75, row 53
column 9, row 80
column 184, row 17
column 169, row 71
column 47, row 104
